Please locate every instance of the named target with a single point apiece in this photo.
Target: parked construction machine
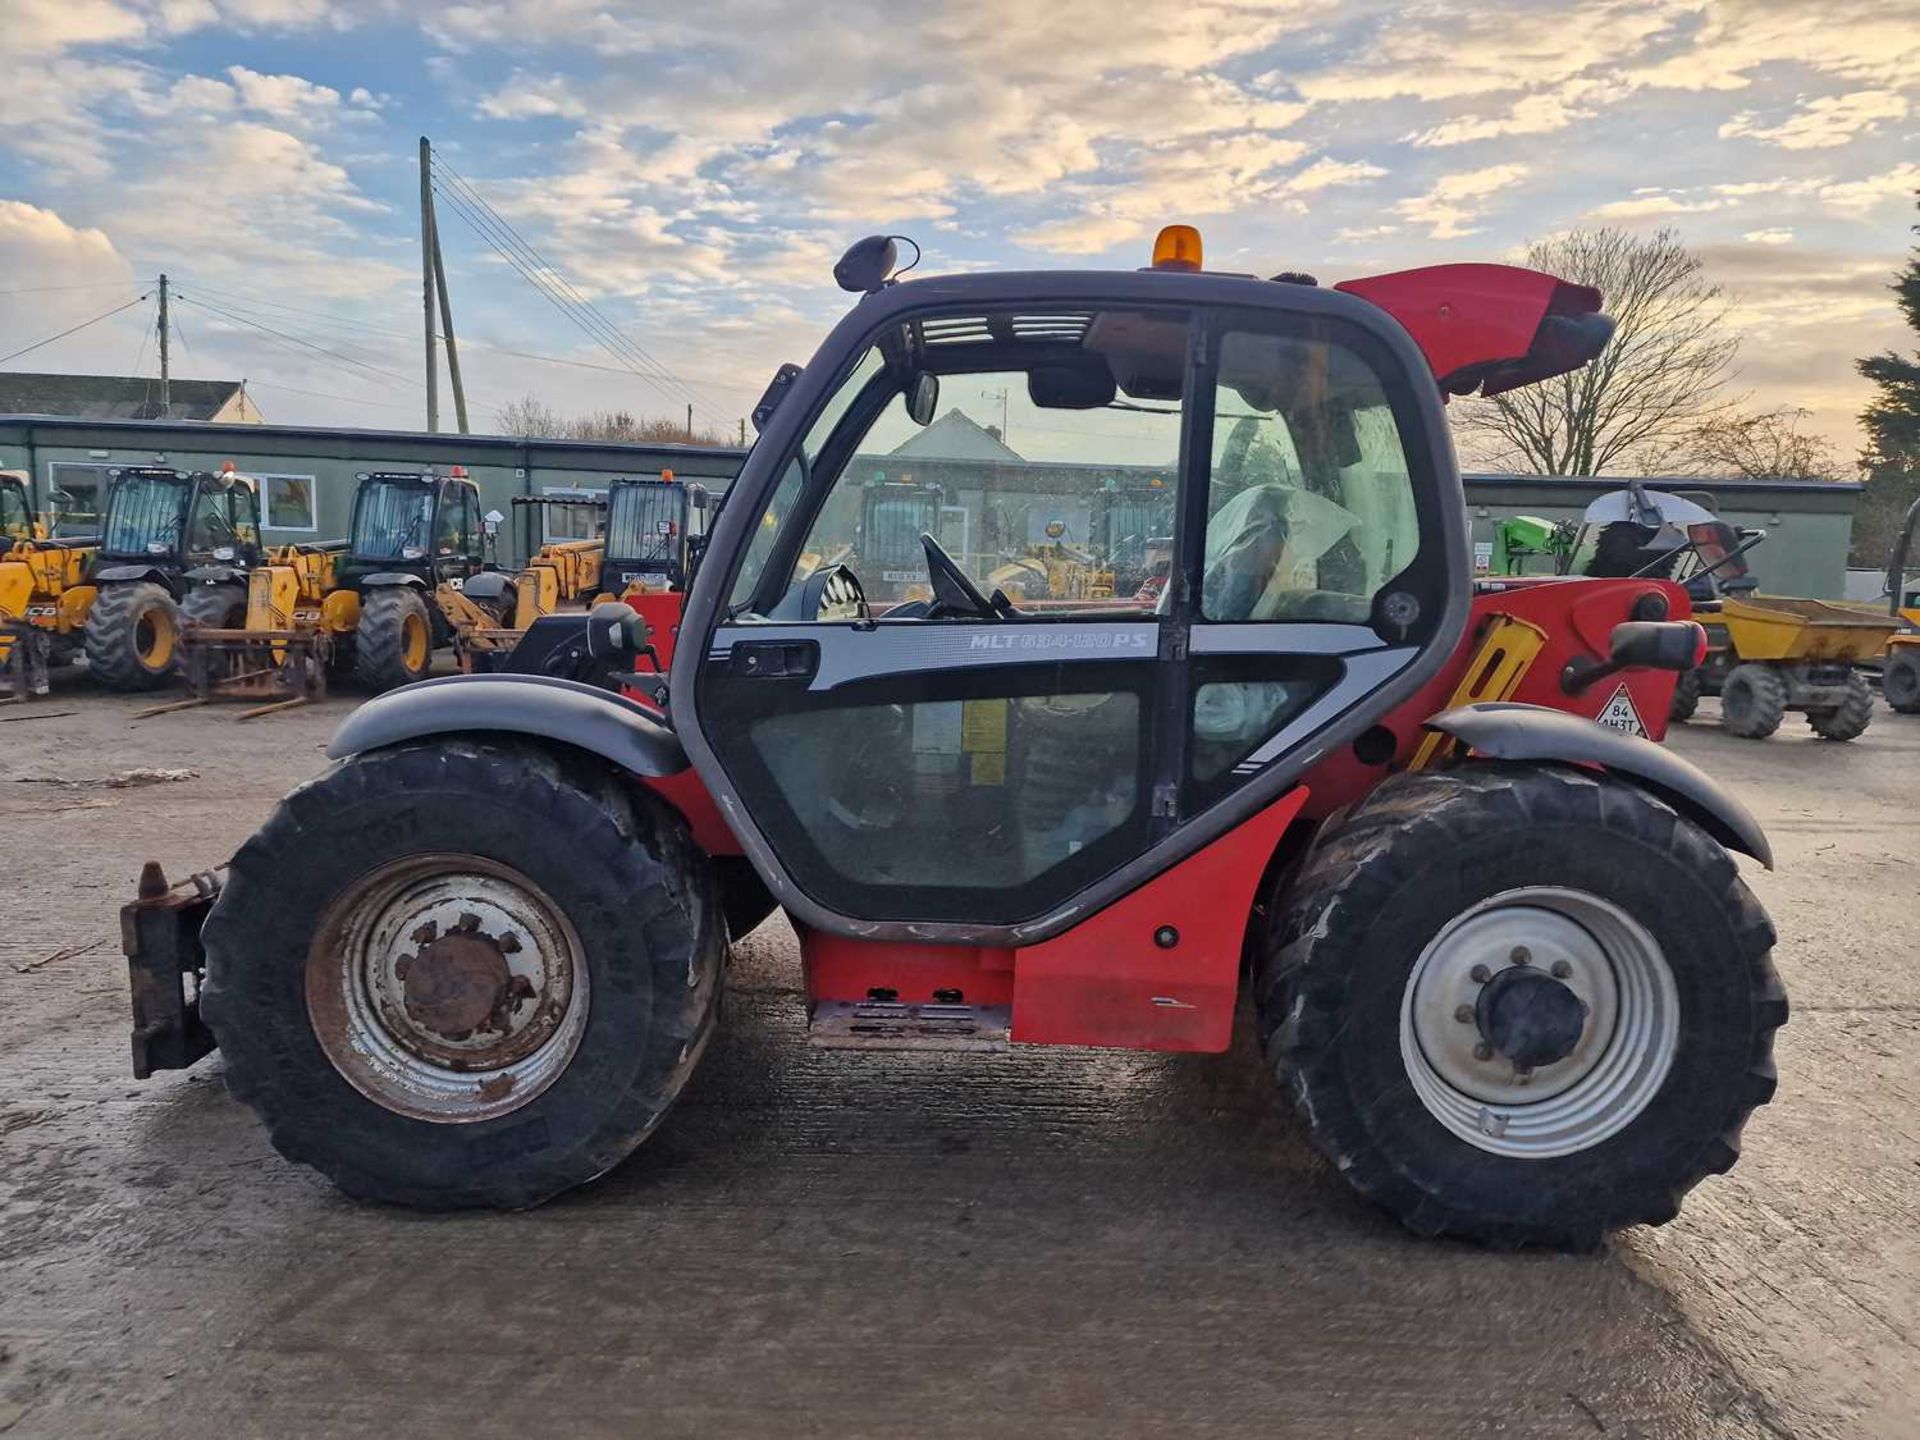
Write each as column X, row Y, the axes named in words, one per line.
column 1501, row 956
column 490, row 612
column 1900, row 672
column 174, row 547
column 655, row 529
column 371, row 605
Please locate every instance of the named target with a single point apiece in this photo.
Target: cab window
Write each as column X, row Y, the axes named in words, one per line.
column 1046, row 471
column 455, row 529
column 1310, row 504
column 211, row 524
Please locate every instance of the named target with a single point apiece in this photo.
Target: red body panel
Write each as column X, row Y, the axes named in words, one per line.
column 1464, row 316
column 1106, row 981
column 1578, row 617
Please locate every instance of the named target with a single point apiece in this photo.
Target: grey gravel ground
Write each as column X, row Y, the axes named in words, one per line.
column 1053, row 1243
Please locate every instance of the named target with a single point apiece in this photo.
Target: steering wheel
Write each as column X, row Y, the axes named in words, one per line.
column 953, row 592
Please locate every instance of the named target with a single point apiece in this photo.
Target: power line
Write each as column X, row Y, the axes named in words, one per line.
column 252, row 302
column 73, row 329
column 548, row 278
column 550, row 274
column 530, row 271
column 324, row 395
column 246, row 315
column 374, row 370
column 50, row 289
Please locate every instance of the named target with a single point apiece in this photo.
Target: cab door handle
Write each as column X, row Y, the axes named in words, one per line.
column 776, row 659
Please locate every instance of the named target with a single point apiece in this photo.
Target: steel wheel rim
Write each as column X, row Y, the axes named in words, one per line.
column 1627, row 1046
column 403, row 1046
column 413, row 639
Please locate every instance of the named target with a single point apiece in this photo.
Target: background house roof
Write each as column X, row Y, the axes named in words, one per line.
column 112, row 397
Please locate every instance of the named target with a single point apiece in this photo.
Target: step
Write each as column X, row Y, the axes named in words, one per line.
column 902, row 1025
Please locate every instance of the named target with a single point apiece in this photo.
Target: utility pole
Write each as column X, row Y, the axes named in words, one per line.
column 689, row 422
column 446, row 321
column 166, row 368
column 426, row 282
column 743, row 432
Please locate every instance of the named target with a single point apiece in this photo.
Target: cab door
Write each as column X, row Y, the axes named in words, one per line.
column 909, row 756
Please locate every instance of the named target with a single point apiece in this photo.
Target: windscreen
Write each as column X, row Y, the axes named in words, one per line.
column 393, row 518
column 144, row 515
column 647, row 524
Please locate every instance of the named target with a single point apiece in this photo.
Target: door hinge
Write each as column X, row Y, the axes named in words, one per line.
column 1166, row 800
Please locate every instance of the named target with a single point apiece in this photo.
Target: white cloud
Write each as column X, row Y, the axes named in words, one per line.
column 1768, row 237
column 1449, row 204
column 1529, row 115
column 1823, row 123
column 284, row 97
column 1326, row 172
column 1858, row 196
column 1652, row 204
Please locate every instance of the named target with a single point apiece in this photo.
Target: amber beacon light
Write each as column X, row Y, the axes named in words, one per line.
column 1177, row 247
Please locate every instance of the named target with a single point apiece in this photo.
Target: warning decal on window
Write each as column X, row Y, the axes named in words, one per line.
column 1619, row 713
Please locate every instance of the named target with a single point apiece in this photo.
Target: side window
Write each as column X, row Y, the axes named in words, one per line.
column 210, row 523
column 451, row 534
column 1310, row 506
column 246, row 516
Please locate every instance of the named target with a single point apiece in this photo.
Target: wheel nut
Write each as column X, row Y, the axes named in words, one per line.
column 1480, row 974
column 1521, row 955
column 1464, row 1014
column 1522, row 1076
column 1483, row 1051
column 1561, row 969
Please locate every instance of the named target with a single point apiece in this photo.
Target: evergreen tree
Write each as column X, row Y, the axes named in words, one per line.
column 1892, row 420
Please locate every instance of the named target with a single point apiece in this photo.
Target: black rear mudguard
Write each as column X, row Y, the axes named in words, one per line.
column 1507, row 730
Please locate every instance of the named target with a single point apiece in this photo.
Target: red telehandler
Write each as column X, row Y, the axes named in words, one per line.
column 1496, row 946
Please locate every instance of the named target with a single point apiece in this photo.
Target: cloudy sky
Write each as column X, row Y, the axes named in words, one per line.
column 695, row 169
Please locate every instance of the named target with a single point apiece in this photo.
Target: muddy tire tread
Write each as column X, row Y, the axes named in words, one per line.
column 1303, row 963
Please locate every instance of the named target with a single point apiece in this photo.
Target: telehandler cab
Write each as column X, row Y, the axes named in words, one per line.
column 1499, row 954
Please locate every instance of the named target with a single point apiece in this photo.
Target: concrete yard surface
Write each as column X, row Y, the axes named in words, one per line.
column 817, row 1242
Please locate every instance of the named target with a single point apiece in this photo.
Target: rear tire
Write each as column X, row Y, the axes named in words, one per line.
column 393, row 643
column 1900, row 681
column 355, row 1090
column 1686, row 697
column 1849, row 719
column 1753, row 701
column 215, row 607
column 132, row 636
column 1617, row 1132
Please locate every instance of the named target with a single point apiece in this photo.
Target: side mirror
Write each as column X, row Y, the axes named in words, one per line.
column 616, row 628
column 1678, row 645
column 867, row 264
column 923, row 397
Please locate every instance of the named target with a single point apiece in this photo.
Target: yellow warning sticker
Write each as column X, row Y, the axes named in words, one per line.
column 983, row 728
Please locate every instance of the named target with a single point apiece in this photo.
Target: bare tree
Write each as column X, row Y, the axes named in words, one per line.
column 1760, row 445
column 1658, row 380
column 531, row 418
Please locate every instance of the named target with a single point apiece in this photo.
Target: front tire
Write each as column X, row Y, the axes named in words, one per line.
column 458, row 974
column 1686, row 697
column 1900, row 681
column 393, row 643
column 215, row 607
column 1753, row 701
column 1373, row 987
column 132, row 636
column 1849, row 719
